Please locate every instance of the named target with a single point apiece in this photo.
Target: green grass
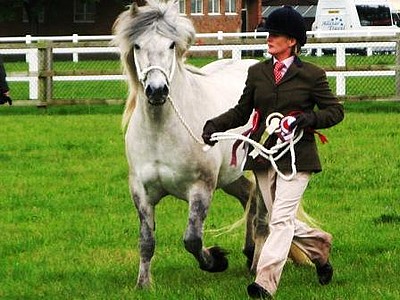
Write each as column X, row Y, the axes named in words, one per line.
column 69, row 229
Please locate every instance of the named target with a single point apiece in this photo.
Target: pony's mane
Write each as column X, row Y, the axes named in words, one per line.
column 160, row 17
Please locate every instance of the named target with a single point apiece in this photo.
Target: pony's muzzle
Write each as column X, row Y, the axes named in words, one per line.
column 157, row 95
column 156, row 88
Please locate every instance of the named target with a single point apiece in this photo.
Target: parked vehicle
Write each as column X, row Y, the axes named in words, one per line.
column 396, row 17
column 355, row 18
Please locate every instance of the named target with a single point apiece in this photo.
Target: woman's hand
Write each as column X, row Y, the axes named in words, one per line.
column 208, row 129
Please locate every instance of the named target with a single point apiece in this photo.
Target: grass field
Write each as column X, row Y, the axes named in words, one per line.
column 69, row 230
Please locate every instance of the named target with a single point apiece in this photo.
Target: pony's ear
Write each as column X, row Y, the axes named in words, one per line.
column 134, row 8
column 175, row 4
column 172, row 13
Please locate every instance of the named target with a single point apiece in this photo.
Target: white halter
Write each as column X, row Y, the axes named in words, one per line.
column 142, row 74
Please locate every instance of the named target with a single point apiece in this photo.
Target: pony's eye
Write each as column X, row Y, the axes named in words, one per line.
column 136, row 46
column 172, row 46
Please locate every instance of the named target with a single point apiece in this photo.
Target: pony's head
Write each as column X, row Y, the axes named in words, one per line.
column 152, row 40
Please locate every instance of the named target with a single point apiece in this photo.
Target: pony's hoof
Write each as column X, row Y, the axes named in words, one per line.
column 143, row 285
column 220, row 262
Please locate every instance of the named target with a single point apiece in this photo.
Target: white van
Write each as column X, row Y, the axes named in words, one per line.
column 396, row 17
column 354, row 18
column 340, row 18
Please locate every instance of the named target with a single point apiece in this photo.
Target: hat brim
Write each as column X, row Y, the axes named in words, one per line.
column 280, row 32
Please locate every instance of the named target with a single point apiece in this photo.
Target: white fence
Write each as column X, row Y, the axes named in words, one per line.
column 31, row 54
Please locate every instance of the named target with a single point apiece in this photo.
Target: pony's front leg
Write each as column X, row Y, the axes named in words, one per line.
column 145, row 210
column 210, row 259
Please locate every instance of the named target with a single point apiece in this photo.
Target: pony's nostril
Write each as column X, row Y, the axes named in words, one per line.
column 149, row 91
column 165, row 90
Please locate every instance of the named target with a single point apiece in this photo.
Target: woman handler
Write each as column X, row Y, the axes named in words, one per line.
column 297, row 88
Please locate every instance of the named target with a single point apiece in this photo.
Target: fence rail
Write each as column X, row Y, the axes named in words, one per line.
column 39, row 53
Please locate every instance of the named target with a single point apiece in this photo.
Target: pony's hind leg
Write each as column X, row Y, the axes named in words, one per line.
column 261, row 230
column 210, row 259
column 244, row 190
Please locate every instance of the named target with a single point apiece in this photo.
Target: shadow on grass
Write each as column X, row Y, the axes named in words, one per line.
column 388, row 219
column 373, row 106
column 7, row 110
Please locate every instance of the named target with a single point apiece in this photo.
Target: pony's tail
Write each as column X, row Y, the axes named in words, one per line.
column 129, row 108
column 296, row 254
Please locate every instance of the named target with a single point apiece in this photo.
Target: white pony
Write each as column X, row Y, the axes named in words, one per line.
column 165, row 112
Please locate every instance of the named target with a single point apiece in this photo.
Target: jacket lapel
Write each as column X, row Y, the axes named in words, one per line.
column 268, row 70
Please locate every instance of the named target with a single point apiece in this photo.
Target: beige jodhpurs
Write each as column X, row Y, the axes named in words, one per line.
column 282, row 199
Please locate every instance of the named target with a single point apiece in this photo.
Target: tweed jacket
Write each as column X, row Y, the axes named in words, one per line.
column 304, row 87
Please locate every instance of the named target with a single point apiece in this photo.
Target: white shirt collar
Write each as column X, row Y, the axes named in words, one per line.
column 287, row 62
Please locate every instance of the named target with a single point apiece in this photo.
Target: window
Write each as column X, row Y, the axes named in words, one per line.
column 374, row 15
column 213, row 6
column 84, row 12
column 197, row 6
column 182, row 6
column 230, row 6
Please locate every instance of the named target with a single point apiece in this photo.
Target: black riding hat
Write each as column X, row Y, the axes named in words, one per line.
column 287, row 21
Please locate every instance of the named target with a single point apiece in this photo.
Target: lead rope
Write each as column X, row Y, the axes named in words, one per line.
column 276, row 124
column 264, row 152
column 261, row 150
column 189, row 130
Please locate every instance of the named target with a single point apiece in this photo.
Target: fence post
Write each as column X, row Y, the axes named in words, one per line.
column 45, row 74
column 33, row 67
column 340, row 84
column 397, row 69
column 340, row 62
column 340, row 56
column 220, row 38
column 236, row 54
column 28, row 41
column 75, row 39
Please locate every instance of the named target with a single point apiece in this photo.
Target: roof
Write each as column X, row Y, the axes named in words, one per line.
column 307, row 11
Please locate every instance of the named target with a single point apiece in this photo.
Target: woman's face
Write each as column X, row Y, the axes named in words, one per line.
column 280, row 46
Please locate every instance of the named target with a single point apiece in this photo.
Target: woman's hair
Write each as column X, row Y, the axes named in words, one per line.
column 296, row 49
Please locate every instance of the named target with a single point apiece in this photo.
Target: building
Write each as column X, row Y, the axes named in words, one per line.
column 61, row 17
column 66, row 17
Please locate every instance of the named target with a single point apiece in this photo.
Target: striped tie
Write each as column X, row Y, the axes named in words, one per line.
column 278, row 71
